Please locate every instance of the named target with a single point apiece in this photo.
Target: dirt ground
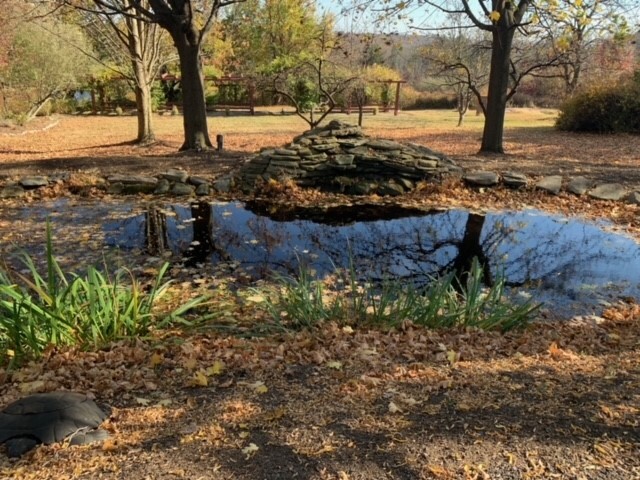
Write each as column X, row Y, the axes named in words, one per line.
column 86, row 143
column 558, row 400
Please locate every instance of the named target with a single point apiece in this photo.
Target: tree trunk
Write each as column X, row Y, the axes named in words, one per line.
column 498, row 86
column 196, row 134
column 143, row 82
column 146, row 134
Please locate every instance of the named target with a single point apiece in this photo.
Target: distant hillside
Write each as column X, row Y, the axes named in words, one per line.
column 400, row 52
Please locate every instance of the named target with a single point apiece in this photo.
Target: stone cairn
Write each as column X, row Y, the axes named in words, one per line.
column 339, row 157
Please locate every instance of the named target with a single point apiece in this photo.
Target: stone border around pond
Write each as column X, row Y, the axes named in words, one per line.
column 554, row 184
column 175, row 182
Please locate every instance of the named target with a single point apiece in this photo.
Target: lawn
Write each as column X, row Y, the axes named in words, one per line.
column 338, row 401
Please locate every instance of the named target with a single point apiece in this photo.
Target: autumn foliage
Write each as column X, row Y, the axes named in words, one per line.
column 604, row 109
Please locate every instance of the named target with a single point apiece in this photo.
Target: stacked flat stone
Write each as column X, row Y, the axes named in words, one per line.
column 339, row 157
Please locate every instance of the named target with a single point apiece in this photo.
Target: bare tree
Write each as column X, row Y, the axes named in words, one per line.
column 188, row 22
column 501, row 20
column 310, row 81
column 33, row 76
column 460, row 61
column 573, row 28
column 133, row 40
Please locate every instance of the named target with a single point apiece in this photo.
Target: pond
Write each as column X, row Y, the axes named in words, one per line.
column 571, row 265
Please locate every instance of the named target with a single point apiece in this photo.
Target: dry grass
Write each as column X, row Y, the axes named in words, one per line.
column 533, row 146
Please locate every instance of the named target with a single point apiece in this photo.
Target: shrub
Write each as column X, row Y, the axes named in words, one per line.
column 603, row 109
column 426, row 101
column 522, row 100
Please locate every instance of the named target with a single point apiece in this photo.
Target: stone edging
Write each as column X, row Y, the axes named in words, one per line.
column 172, row 182
column 175, row 182
column 554, row 184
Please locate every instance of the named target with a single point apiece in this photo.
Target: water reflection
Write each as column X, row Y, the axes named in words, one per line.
column 561, row 261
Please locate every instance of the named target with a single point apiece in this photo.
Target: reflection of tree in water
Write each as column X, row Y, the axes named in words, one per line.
column 531, row 251
column 470, row 248
column 202, row 243
column 155, row 231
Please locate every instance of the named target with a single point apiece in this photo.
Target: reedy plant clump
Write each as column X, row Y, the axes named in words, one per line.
column 65, row 309
column 304, row 302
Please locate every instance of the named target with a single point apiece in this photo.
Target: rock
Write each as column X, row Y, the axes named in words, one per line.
column 12, row 191
column 325, row 147
column 132, row 179
column 223, row 184
column 481, row 179
column 283, row 158
column 182, row 189
column 285, row 164
column 325, row 141
column 514, row 179
column 363, row 188
column 341, row 151
column 390, row 188
column 359, row 151
column 384, row 145
column 197, row 181
column 343, row 159
column 175, row 175
column 60, row 177
column 406, row 183
column 352, row 142
column 633, row 197
column 35, row 181
column 426, row 152
column 135, row 188
column 551, row 184
column 115, row 188
column 203, row 189
column 286, row 152
column 608, row 191
column 163, row 187
column 579, row 185
column 427, row 164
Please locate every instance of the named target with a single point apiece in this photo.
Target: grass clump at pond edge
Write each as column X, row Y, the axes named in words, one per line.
column 303, row 302
column 63, row 309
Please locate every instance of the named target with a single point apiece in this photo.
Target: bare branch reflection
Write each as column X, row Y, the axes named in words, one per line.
column 561, row 261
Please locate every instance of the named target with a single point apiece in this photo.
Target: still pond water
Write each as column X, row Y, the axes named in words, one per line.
column 571, row 265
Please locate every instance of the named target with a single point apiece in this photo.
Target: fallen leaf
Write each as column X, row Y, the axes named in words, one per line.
column 259, row 387
column 32, row 387
column 250, row 450
column 335, row 365
column 190, row 363
column 199, row 379
column 156, row 359
column 109, row 445
column 393, row 408
column 325, row 449
column 452, row 357
column 216, row 369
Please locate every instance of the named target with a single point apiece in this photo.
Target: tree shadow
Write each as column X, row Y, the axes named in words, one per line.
column 210, row 163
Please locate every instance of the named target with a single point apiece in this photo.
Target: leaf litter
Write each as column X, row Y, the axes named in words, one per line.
column 558, row 400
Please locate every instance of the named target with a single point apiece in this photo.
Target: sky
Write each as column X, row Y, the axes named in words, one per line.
column 421, row 16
